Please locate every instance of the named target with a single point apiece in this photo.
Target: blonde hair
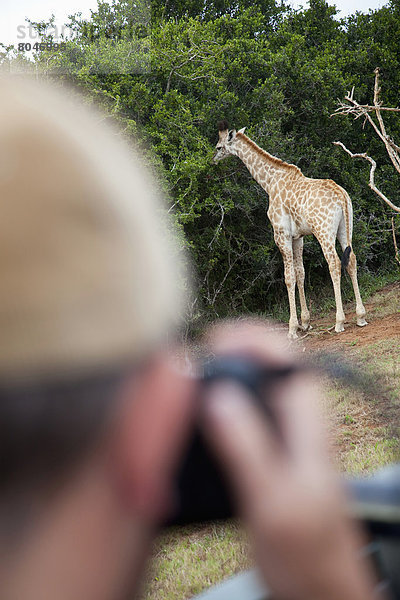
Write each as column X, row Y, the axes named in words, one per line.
column 88, row 271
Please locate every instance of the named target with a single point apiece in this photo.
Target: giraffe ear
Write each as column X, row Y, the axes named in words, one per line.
column 242, row 130
column 232, row 135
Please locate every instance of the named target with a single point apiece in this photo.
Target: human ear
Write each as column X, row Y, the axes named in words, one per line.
column 155, row 421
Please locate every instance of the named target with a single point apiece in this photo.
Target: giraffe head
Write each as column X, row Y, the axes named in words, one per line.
column 226, row 142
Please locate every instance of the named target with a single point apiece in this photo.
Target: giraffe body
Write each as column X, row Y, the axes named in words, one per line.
column 299, row 206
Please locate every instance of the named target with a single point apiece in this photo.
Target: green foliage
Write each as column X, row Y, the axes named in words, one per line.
column 262, row 65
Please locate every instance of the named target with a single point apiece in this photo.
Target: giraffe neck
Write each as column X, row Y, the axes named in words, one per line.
column 265, row 168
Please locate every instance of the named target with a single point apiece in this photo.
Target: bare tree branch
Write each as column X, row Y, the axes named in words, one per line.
column 397, row 255
column 371, row 174
column 219, row 226
column 353, row 108
column 394, row 156
column 358, row 110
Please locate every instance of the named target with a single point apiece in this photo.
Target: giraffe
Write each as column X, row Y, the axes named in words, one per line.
column 298, row 206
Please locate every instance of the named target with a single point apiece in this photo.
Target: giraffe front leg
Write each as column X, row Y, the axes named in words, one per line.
column 299, row 271
column 285, row 246
column 293, row 321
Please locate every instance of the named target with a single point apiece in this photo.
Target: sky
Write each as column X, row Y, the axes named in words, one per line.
column 346, row 7
column 13, row 12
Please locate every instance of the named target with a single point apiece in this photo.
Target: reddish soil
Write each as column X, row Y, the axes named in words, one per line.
column 386, row 303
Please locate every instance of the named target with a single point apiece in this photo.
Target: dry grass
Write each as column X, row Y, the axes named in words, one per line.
column 188, row 560
column 362, row 423
column 385, row 302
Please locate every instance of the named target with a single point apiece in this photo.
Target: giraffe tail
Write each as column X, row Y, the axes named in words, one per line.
column 346, row 257
column 346, row 207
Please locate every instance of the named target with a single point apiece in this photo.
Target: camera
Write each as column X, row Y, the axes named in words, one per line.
column 203, row 492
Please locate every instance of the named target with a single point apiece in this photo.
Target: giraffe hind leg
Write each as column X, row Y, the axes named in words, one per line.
column 351, row 267
column 360, row 309
column 335, row 269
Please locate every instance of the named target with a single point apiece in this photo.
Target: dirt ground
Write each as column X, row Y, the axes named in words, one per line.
column 383, row 316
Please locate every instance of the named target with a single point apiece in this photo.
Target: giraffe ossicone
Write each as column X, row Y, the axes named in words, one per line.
column 298, row 206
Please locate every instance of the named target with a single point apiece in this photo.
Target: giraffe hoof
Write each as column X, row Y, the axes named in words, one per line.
column 292, row 335
column 306, row 327
column 339, row 327
column 362, row 322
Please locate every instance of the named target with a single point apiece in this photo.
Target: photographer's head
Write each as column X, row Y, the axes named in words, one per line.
column 89, row 292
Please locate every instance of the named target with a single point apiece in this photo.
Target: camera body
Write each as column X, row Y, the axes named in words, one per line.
column 202, row 489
